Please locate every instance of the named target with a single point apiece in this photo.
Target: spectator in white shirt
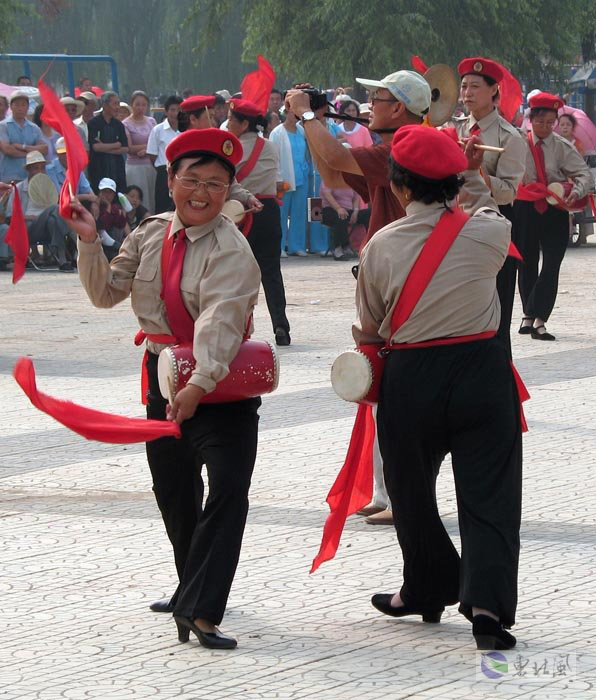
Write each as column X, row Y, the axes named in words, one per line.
column 159, row 138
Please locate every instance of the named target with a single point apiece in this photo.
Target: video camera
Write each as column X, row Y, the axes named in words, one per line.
column 317, row 98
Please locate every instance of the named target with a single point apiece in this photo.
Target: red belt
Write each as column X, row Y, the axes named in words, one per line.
column 247, row 221
column 154, row 338
column 522, row 392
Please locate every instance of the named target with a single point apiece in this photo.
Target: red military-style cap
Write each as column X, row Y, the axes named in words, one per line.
column 427, row 152
column 196, row 102
column 546, row 101
column 214, row 142
column 481, row 66
column 246, row 108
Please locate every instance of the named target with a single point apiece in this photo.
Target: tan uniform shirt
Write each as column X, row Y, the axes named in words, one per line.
column 219, row 285
column 505, row 170
column 562, row 162
column 461, row 299
column 263, row 177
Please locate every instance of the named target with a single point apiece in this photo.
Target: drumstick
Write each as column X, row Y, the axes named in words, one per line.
column 171, row 391
column 482, row 147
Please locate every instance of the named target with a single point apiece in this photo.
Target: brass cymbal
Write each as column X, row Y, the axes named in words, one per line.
column 444, row 87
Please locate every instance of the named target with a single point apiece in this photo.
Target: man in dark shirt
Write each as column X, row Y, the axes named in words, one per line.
column 399, row 99
column 107, row 144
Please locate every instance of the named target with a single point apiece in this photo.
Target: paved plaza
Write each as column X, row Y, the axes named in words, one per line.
column 84, row 551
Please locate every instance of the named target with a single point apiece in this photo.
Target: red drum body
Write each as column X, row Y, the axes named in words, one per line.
column 253, row 372
column 356, row 374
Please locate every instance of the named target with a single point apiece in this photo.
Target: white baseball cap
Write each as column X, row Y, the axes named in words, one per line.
column 34, row 157
column 18, row 94
column 106, row 183
column 407, row 87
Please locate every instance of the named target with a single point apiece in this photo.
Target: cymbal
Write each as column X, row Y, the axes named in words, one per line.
column 444, row 87
column 42, row 191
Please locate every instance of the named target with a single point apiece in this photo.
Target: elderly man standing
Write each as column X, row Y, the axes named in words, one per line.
column 91, row 104
column 18, row 137
column 107, row 144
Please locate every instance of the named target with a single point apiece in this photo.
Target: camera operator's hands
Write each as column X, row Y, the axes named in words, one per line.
column 298, row 102
column 474, row 155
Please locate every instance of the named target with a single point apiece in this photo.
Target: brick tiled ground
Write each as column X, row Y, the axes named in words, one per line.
column 84, row 551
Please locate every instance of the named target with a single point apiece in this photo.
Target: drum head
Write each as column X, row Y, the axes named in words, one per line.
column 234, row 210
column 165, row 373
column 351, row 376
column 556, row 188
column 42, row 191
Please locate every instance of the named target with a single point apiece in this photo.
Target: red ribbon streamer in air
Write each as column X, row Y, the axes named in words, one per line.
column 510, row 95
column 418, row 64
column 91, row 424
column 17, row 237
column 257, row 85
column 55, row 115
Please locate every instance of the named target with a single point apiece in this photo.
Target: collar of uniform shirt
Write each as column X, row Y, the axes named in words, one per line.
column 485, row 122
column 194, row 232
column 419, row 207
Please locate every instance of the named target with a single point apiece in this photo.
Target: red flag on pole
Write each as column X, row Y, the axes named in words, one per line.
column 55, row 115
column 510, row 97
column 17, row 237
column 91, row 424
column 257, row 86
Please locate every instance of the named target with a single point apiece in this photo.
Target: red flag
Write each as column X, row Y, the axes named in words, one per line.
column 55, row 115
column 352, row 489
column 257, row 86
column 510, row 95
column 91, row 424
column 17, row 237
column 418, row 64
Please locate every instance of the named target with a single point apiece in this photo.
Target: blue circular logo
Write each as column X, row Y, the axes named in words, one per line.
column 494, row 665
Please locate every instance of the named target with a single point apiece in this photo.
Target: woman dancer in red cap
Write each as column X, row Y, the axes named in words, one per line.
column 447, row 387
column 206, row 297
column 544, row 227
column 258, row 172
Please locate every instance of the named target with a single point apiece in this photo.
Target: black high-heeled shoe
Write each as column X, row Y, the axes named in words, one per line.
column 210, row 640
column 382, row 602
column 489, row 633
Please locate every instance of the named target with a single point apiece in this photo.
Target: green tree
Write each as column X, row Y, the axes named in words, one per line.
column 316, row 40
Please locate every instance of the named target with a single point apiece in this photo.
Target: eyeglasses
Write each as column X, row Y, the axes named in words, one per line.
column 212, row 186
column 381, row 99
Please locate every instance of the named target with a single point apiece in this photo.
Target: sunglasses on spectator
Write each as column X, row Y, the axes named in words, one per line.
column 212, row 186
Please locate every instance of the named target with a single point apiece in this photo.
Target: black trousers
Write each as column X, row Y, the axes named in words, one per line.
column 265, row 241
column 506, row 283
column 547, row 233
column 206, row 539
column 459, row 399
column 340, row 233
column 163, row 201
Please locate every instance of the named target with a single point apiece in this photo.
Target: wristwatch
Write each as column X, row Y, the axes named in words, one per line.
column 308, row 116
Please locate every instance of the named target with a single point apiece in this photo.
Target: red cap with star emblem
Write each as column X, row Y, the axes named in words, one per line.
column 481, row 66
column 213, row 142
column 246, row 108
column 196, row 102
column 427, row 152
column 546, row 101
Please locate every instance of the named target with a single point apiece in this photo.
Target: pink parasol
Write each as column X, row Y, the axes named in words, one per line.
column 585, row 131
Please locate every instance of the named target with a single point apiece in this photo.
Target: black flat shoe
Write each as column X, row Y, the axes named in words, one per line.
column 165, row 606
column 210, row 640
column 382, row 602
column 489, row 633
column 282, row 337
column 541, row 336
column 525, row 330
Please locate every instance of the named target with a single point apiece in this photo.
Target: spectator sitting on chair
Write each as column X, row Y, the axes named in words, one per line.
column 44, row 224
column 111, row 219
column 341, row 210
column 138, row 212
column 18, row 137
column 56, row 171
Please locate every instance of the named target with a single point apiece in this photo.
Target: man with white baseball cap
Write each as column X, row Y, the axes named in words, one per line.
column 399, row 99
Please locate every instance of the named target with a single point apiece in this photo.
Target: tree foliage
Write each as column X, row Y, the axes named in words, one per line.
column 330, row 44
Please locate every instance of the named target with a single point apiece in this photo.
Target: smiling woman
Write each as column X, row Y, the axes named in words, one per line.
column 193, row 280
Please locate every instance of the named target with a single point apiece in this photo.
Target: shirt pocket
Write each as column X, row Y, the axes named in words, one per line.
column 189, row 287
column 146, row 289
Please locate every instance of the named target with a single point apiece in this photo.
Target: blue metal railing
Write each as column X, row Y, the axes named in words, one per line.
column 69, row 59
